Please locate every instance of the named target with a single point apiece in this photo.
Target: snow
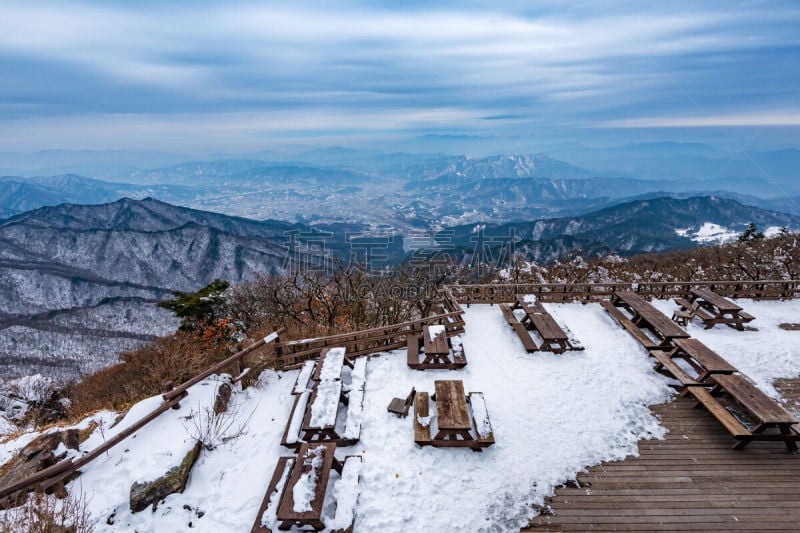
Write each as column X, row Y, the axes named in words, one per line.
column 271, row 337
column 270, row 516
column 304, row 490
column 304, row 377
column 326, row 404
column 529, row 299
column 436, row 330
column 346, row 493
column 293, row 435
column 551, row 415
column 332, row 366
column 355, row 400
column 709, row 232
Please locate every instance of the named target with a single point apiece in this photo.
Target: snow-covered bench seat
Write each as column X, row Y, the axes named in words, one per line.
column 299, row 491
column 480, row 419
column 303, row 382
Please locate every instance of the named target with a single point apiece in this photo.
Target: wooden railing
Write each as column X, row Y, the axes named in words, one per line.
column 59, row 472
column 359, row 343
column 566, row 292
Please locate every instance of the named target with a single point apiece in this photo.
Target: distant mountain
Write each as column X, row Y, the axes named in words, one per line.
column 640, row 226
column 107, row 263
column 20, row 194
column 112, row 165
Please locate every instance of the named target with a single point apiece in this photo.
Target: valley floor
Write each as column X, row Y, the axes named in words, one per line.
column 553, row 417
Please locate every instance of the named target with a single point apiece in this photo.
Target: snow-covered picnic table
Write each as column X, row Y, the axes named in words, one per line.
column 440, row 352
column 298, row 494
column 320, row 390
column 454, row 422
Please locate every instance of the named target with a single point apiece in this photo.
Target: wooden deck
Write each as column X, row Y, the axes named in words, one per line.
column 692, row 481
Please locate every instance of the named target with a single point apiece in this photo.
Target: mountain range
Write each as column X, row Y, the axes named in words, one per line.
column 78, row 282
column 406, row 191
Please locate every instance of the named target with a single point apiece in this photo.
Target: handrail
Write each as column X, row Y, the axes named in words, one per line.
column 219, row 366
column 171, row 398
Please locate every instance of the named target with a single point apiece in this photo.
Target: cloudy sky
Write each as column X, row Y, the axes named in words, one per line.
column 234, row 75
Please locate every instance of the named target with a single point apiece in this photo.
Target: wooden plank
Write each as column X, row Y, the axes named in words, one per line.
column 422, row 431
column 451, row 405
column 719, row 412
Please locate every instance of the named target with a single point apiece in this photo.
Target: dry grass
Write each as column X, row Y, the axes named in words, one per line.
column 46, row 514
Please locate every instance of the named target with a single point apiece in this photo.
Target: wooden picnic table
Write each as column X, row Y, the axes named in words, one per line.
column 645, row 315
column 454, row 421
column 766, row 411
column 319, row 457
column 716, row 309
column 537, row 318
column 702, row 358
column 439, row 350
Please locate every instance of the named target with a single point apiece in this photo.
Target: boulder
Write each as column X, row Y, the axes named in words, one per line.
column 150, row 493
column 36, row 455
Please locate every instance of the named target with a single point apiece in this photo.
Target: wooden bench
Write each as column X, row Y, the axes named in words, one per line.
column 508, row 314
column 525, row 336
column 304, row 378
column 422, row 428
column 412, row 351
column 686, row 313
column 665, row 362
column 718, row 411
column 291, row 434
column 632, row 328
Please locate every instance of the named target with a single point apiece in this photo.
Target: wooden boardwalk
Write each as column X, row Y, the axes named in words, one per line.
column 692, row 481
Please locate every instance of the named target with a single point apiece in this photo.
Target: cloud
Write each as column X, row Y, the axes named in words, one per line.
column 708, row 121
column 587, row 64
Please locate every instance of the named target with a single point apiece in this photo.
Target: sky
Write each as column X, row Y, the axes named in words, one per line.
column 239, row 76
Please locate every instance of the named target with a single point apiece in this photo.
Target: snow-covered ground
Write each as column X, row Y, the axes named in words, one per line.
column 552, row 416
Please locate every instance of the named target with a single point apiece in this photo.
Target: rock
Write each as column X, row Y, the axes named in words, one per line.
column 152, row 492
column 223, row 397
column 36, row 455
